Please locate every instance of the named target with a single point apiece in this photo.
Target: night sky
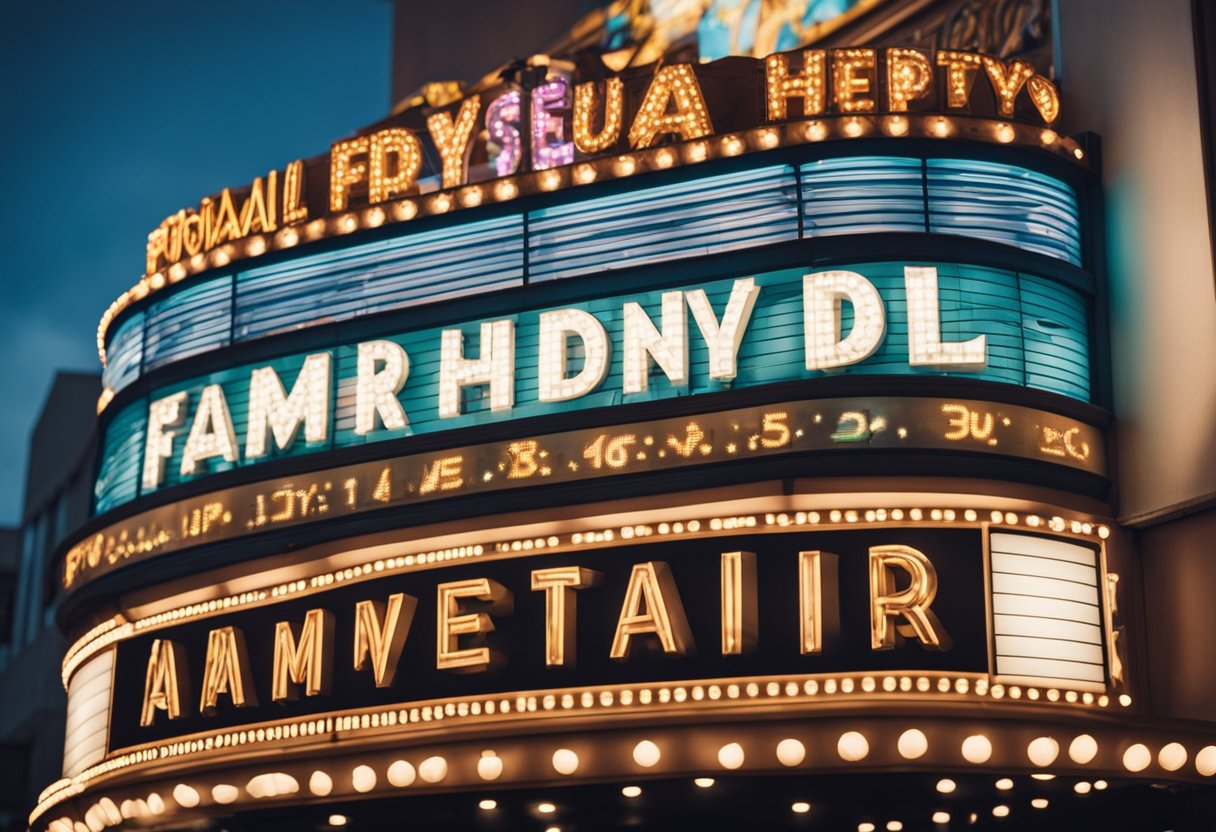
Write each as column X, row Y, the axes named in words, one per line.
column 114, row 115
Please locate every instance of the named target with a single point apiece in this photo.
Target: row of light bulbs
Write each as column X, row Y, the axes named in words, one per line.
column 587, row 172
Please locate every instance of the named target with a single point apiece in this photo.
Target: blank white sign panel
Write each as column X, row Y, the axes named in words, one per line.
column 1047, row 611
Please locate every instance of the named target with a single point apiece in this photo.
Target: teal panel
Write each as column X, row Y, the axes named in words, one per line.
column 1037, row 336
column 121, row 457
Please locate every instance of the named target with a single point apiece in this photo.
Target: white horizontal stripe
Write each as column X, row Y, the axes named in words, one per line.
column 1049, row 669
column 1024, row 544
column 1027, row 565
column 1019, row 625
column 1042, row 648
column 1044, row 588
column 1044, row 608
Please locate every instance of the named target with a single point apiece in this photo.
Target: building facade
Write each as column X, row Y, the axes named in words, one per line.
column 732, row 414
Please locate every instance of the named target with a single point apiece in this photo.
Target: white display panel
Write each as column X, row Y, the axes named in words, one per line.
column 88, row 721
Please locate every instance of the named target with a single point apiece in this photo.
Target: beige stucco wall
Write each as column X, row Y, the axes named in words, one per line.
column 1127, row 72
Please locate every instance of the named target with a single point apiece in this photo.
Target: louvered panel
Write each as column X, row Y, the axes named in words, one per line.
column 1055, row 322
column 88, row 714
column 707, row 216
column 862, row 195
column 377, row 277
column 1004, row 204
column 189, row 322
column 121, row 454
column 124, row 354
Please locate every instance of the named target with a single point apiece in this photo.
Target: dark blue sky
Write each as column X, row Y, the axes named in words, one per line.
column 114, row 115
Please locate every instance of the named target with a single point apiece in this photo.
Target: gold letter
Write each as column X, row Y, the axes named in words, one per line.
column 254, row 213
column 294, row 209
column 678, row 83
column 585, row 139
column 740, row 623
column 848, row 84
column 452, row 138
column 807, row 85
column 342, row 172
column 403, row 144
column 452, row 624
column 651, row 587
column 382, row 643
column 908, row 77
column 226, row 670
column 911, row 603
column 960, row 66
column 301, row 658
column 816, row 618
column 165, row 683
column 559, row 584
column 1007, row 81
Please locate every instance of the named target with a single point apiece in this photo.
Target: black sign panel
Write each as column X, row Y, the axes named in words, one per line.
column 956, row 555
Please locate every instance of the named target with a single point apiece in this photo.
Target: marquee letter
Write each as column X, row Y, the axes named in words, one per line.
column 740, row 624
column 158, row 445
column 226, row 670
column 165, row 683
column 911, row 603
column 668, row 348
column 380, row 633
column 818, row 618
column 1007, row 81
column 383, row 367
column 909, row 75
column 652, row 606
column 300, row 656
column 960, row 68
column 925, row 347
column 822, row 294
column 851, row 80
column 399, row 142
column 724, row 339
column 675, row 83
column 452, row 624
column 502, row 123
column 272, row 410
column 211, row 432
column 806, row 85
column 559, row 584
column 343, row 173
column 294, row 209
column 495, row 367
column 555, row 329
column 585, row 137
column 452, row 138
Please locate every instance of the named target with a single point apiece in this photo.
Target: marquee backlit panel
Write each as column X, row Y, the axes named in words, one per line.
column 1047, row 614
column 751, row 208
column 88, row 714
column 973, row 301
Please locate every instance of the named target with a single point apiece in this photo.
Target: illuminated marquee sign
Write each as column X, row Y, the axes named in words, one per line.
column 572, row 120
column 789, row 604
column 729, row 334
column 844, row 424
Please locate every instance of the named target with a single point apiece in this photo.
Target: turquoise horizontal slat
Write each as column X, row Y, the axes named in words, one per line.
column 192, row 321
column 376, row 277
column 711, row 215
column 1036, row 330
column 862, row 195
column 121, row 457
column 1004, row 204
column 125, row 354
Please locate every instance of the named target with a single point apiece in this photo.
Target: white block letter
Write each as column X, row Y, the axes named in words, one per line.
column 724, row 338
column 555, row 329
column 382, row 371
column 495, row 367
column 822, row 294
column 211, row 432
column 159, row 442
column 668, row 348
column 925, row 347
column 271, row 409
